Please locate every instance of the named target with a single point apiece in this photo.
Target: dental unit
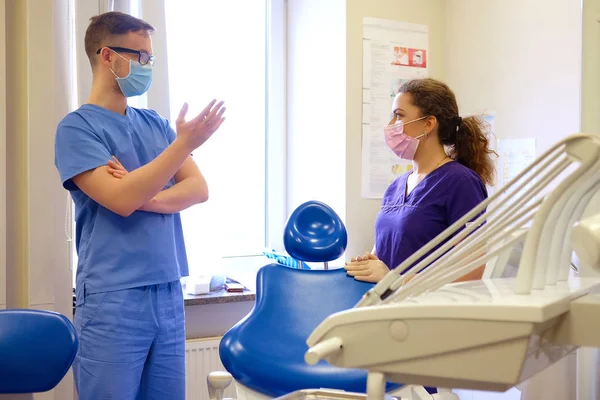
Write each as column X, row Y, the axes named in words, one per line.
column 420, row 328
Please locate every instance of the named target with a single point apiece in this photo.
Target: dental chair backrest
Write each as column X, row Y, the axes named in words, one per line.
column 305, row 297
column 315, row 233
column 37, row 349
column 265, row 351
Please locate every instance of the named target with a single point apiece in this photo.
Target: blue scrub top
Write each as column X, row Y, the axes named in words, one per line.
column 407, row 223
column 115, row 252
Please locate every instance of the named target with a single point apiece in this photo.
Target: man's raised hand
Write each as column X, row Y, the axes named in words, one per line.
column 199, row 129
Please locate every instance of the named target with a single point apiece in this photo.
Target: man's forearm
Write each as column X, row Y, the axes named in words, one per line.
column 145, row 182
column 124, row 196
column 178, row 197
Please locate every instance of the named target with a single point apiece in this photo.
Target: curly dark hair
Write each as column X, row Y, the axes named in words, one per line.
column 466, row 137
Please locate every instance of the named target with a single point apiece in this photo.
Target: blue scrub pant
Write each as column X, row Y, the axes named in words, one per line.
column 131, row 344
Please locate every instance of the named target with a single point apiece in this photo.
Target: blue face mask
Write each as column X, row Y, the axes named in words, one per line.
column 138, row 81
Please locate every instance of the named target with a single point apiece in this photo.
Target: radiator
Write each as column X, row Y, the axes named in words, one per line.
column 201, row 358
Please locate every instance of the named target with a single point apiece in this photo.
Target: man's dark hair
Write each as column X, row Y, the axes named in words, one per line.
column 105, row 27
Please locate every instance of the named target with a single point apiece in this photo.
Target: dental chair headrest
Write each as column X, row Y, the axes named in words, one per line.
column 315, row 233
column 37, row 349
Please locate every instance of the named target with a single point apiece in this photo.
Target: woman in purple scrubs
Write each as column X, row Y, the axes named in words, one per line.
column 441, row 188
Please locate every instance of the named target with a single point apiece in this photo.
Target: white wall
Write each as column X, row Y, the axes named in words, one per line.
column 360, row 213
column 524, row 67
column 324, row 121
column 521, row 61
column 590, row 88
column 590, row 81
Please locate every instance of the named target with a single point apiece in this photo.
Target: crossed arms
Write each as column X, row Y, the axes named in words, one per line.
column 141, row 189
column 190, row 188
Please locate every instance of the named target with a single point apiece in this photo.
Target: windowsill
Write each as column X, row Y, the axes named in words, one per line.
column 239, row 269
column 219, row 296
column 216, row 296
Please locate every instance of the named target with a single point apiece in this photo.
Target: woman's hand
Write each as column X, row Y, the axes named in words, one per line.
column 116, row 169
column 367, row 268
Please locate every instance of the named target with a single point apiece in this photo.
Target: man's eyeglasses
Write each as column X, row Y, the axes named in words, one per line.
column 143, row 57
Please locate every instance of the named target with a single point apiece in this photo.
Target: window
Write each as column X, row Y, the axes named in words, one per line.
column 232, row 51
column 218, row 51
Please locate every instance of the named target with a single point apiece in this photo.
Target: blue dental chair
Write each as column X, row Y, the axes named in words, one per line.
column 37, row 349
column 265, row 351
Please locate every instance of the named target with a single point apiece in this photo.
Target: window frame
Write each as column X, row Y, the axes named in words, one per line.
column 276, row 144
column 275, row 174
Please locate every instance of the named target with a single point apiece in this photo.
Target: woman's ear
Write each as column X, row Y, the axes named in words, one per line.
column 430, row 124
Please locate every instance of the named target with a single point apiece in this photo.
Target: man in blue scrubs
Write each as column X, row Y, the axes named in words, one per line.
column 129, row 315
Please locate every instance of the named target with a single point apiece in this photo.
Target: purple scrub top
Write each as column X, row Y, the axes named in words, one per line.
column 406, row 223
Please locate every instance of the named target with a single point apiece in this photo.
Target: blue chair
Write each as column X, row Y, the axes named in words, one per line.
column 37, row 349
column 265, row 351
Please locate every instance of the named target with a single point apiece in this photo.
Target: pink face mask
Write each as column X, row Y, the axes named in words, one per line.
column 399, row 142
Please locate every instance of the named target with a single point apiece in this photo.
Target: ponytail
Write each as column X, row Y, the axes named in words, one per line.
column 465, row 137
column 471, row 148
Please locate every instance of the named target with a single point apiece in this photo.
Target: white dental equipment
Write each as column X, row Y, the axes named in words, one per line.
column 490, row 334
